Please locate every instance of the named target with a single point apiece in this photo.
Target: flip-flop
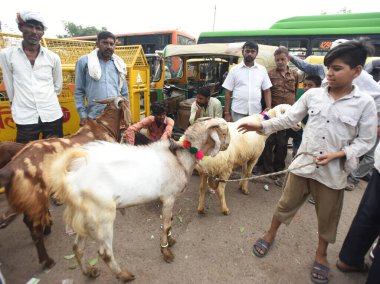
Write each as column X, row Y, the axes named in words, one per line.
column 320, row 270
column 348, row 268
column 263, row 245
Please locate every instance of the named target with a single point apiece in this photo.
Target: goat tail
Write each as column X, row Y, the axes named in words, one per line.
column 69, row 160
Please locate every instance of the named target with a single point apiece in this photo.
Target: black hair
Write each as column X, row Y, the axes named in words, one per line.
column 204, row 92
column 281, row 50
column 352, row 52
column 158, row 108
column 105, row 35
column 315, row 78
column 33, row 22
column 252, row 45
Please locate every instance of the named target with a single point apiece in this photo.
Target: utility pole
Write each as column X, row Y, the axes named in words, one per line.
column 213, row 26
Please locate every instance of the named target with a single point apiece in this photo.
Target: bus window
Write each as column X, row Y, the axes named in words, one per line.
column 320, row 46
column 295, row 46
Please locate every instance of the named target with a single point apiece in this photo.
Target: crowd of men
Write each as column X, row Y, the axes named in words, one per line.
column 340, row 109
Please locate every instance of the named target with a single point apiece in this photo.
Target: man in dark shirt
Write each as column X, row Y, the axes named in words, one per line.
column 284, row 89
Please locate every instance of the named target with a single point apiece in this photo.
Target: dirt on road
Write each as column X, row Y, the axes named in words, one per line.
column 210, row 249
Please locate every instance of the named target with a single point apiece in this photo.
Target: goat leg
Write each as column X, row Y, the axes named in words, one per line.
column 167, row 208
column 78, row 249
column 106, row 253
column 246, row 170
column 38, row 239
column 222, row 198
column 202, row 192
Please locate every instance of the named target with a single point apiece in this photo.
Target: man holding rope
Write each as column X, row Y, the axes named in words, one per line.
column 342, row 127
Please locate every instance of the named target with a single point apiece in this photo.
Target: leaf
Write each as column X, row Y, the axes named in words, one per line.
column 93, row 261
column 73, row 266
column 70, row 256
column 180, row 218
column 242, row 229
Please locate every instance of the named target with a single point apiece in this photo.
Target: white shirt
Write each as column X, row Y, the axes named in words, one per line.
column 377, row 158
column 32, row 90
column 348, row 124
column 246, row 84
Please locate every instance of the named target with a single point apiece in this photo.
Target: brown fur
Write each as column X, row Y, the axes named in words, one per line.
column 8, row 150
column 27, row 187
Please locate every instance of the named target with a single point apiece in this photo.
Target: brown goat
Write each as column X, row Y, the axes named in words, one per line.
column 8, row 150
column 26, row 186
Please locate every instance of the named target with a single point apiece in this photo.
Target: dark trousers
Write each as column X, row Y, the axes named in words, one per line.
column 31, row 132
column 365, row 228
column 275, row 152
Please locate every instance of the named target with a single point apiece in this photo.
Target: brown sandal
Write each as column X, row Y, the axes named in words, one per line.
column 7, row 218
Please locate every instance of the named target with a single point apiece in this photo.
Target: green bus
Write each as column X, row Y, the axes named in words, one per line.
column 307, row 35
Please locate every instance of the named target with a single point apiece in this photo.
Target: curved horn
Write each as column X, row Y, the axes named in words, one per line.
column 117, row 101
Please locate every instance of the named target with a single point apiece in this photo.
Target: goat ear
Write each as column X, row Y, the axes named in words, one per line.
column 214, row 137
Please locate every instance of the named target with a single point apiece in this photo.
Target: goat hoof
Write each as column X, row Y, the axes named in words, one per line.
column 168, row 255
column 226, row 212
column 47, row 230
column 201, row 211
column 49, row 263
column 92, row 272
column 125, row 276
column 171, row 241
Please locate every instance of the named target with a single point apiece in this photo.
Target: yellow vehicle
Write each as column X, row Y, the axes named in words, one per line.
column 69, row 52
column 199, row 65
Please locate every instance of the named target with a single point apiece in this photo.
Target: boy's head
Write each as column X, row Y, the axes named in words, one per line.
column 351, row 52
column 203, row 96
column 159, row 112
column 311, row 81
column 345, row 62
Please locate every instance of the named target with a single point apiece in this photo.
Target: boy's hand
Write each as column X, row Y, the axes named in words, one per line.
column 249, row 126
column 324, row 159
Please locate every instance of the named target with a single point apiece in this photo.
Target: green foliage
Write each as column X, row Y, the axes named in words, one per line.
column 74, row 30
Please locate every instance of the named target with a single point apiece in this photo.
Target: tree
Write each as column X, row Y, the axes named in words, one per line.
column 74, row 30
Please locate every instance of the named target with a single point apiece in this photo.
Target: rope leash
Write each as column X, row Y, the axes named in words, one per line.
column 271, row 174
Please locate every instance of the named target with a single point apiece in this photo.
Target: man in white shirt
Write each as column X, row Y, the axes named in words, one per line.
column 246, row 80
column 205, row 106
column 33, row 79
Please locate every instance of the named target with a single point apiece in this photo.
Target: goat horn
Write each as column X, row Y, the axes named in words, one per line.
column 105, row 101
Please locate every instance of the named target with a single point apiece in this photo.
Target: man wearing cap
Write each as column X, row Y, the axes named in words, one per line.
column 33, row 79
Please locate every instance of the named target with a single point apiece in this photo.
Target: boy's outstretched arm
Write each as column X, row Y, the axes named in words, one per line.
column 250, row 126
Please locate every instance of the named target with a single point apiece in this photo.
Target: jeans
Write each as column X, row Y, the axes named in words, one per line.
column 364, row 230
column 365, row 166
column 31, row 132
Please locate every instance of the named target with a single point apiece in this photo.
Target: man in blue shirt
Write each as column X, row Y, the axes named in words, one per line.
column 99, row 75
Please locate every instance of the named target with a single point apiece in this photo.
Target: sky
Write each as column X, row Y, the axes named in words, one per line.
column 193, row 16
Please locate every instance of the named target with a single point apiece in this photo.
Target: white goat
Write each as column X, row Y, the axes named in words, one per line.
column 244, row 150
column 101, row 177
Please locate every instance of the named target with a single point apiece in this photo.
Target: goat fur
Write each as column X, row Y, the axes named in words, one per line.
column 244, row 150
column 101, row 177
column 24, row 177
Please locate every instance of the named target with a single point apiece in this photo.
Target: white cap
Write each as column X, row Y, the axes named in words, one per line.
column 337, row 42
column 24, row 16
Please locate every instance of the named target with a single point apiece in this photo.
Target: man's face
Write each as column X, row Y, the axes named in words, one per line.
column 309, row 84
column 201, row 100
column 106, row 48
column 159, row 118
column 281, row 61
column 249, row 55
column 32, row 32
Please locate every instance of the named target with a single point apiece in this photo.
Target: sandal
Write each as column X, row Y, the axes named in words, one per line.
column 348, row 268
column 262, row 245
column 319, row 273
